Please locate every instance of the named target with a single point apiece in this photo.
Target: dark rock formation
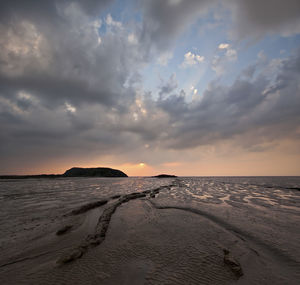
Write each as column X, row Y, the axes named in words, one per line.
column 64, row 230
column 115, row 197
column 132, row 196
column 294, row 188
column 232, row 263
column 94, row 172
column 75, row 254
column 164, row 176
column 89, row 206
column 103, row 223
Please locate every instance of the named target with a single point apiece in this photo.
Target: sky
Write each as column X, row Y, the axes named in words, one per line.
column 186, row 87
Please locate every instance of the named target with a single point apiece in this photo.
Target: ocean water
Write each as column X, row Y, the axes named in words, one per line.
column 264, row 211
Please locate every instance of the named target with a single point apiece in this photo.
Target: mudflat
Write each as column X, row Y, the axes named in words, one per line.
column 152, row 231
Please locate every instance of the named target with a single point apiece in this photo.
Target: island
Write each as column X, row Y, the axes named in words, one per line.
column 74, row 172
column 94, row 172
column 164, row 176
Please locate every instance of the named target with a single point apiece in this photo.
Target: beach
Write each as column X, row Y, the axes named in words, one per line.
column 186, row 230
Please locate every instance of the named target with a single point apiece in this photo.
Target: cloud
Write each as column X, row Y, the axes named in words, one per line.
column 63, row 86
column 231, row 54
column 67, row 60
column 71, row 87
column 225, row 54
column 70, row 108
column 174, row 2
column 223, row 46
column 164, row 21
column 244, row 107
column 257, row 18
column 164, row 58
column 111, row 22
column 47, row 10
column 191, row 59
column 132, row 39
column 169, row 86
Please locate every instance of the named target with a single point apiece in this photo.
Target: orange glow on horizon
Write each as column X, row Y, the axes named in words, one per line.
column 283, row 159
column 138, row 169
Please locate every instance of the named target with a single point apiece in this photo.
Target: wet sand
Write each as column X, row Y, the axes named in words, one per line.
column 173, row 233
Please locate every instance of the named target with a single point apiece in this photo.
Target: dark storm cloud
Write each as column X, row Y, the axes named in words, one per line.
column 62, row 57
column 12, row 8
column 262, row 103
column 62, row 85
column 49, row 135
column 164, row 21
column 256, row 18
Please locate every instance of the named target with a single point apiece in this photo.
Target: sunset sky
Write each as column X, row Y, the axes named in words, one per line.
column 186, row 87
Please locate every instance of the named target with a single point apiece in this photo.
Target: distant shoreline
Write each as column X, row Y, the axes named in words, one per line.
column 74, row 172
column 52, row 176
column 55, row 176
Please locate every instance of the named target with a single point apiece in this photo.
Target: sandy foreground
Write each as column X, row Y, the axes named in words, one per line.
column 151, row 237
